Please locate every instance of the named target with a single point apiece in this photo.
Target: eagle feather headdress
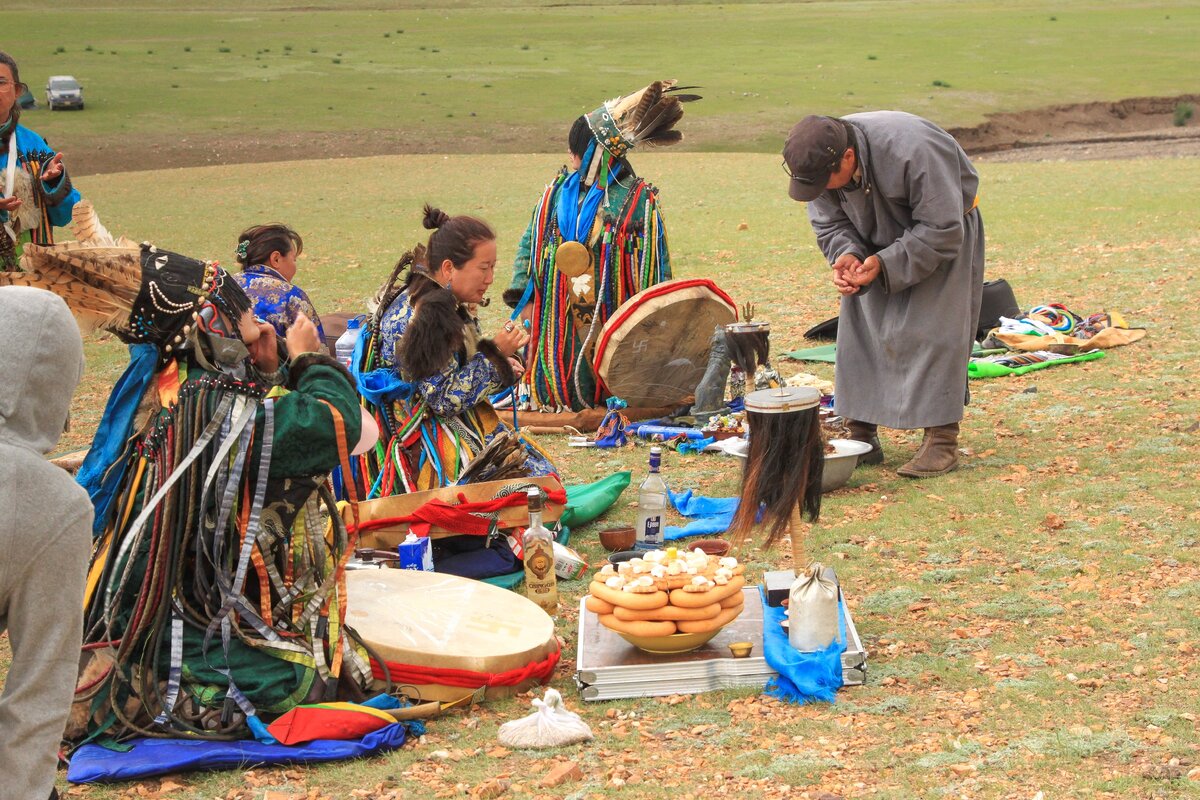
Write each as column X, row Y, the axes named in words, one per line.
column 136, row 291
column 645, row 117
column 98, row 276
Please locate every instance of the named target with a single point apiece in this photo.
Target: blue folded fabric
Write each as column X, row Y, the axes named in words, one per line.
column 709, row 515
column 97, row 474
column 382, row 386
column 92, row 763
column 803, row 677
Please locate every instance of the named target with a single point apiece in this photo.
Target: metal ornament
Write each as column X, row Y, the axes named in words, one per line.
column 573, row 259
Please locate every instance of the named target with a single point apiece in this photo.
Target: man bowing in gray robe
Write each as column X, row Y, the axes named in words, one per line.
column 893, row 201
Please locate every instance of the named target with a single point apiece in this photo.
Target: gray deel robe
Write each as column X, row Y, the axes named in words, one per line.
column 903, row 342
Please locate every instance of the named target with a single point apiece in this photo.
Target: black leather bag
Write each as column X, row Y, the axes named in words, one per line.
column 998, row 301
column 823, row 331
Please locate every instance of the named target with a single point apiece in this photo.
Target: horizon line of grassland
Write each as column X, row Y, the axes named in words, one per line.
column 510, row 79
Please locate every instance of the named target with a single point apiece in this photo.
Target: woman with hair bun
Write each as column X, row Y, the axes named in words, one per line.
column 268, row 255
column 425, row 339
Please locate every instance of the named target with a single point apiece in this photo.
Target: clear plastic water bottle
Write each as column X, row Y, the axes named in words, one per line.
column 652, row 506
column 343, row 348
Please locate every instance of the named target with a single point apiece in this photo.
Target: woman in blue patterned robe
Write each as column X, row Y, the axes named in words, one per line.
column 268, row 256
column 427, row 340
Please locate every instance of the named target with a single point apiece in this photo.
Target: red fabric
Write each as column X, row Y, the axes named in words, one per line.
column 308, row 723
column 456, row 517
column 541, row 671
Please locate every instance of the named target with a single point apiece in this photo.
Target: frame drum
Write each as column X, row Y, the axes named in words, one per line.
column 653, row 350
column 432, row 621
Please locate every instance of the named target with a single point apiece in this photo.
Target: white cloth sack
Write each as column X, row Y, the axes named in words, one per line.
column 551, row 725
column 812, row 610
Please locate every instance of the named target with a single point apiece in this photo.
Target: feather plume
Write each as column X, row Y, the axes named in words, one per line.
column 660, row 119
column 92, row 308
column 27, row 216
column 98, row 276
column 664, row 139
column 86, row 226
column 650, row 97
column 679, row 94
column 649, row 114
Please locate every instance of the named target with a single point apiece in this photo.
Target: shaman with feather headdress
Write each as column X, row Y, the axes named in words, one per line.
column 214, row 595
column 596, row 238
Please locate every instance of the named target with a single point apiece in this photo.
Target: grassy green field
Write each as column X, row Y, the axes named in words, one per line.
column 510, row 77
column 1030, row 619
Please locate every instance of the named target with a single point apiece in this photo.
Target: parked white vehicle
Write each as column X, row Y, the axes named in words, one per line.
column 63, row 91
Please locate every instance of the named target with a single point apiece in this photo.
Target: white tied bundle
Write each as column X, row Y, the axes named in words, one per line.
column 551, row 725
column 813, row 610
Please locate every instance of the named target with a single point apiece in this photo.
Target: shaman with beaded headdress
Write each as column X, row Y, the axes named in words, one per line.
column 595, row 239
column 214, row 596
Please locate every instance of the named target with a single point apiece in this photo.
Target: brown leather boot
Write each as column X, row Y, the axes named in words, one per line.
column 867, row 433
column 937, row 455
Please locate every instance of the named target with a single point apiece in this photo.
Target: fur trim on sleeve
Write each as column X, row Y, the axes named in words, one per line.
column 433, row 337
column 499, row 361
column 512, row 296
column 305, row 360
column 59, row 193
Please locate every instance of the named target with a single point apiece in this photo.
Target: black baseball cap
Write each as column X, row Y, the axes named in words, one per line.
column 813, row 150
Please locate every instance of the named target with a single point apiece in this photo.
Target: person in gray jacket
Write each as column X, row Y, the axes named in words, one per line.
column 893, row 200
column 45, row 536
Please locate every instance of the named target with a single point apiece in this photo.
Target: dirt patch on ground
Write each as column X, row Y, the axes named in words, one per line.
column 167, row 151
column 1133, row 128
column 1137, row 127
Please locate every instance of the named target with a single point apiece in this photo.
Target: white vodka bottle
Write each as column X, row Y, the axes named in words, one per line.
column 652, row 506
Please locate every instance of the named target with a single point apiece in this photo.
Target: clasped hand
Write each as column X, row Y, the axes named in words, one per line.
column 302, row 337
column 850, row 274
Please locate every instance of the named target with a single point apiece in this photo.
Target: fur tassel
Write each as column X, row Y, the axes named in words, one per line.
column 499, row 361
column 512, row 297
column 433, row 337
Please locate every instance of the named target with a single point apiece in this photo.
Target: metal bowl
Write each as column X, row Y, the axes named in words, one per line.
column 840, row 464
column 624, row 555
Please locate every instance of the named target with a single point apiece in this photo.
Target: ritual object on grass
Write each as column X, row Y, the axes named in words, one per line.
column 449, row 636
column 749, row 347
column 668, row 601
column 551, row 725
column 784, row 466
column 653, row 350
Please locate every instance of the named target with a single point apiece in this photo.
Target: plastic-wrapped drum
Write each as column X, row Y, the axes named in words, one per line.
column 448, row 635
